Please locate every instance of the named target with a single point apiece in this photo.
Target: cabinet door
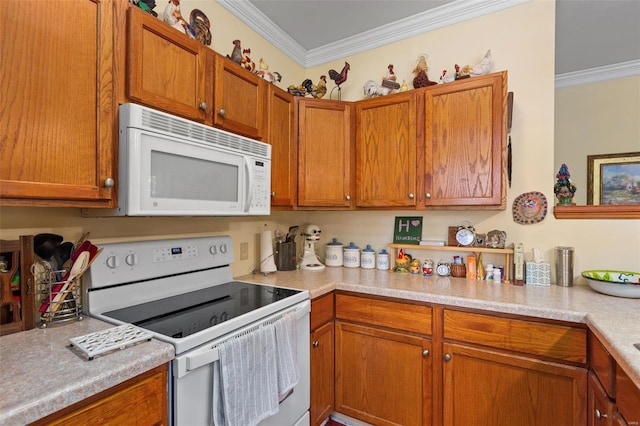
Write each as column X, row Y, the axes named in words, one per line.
column 57, row 140
column 239, row 99
column 386, row 155
column 166, row 69
column 383, row 377
column 599, row 408
column 465, row 142
column 325, row 159
column 496, row 389
column 280, row 131
column 138, row 401
column 322, row 373
column 627, row 397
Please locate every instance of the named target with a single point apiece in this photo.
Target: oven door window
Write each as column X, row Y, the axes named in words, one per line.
column 176, row 177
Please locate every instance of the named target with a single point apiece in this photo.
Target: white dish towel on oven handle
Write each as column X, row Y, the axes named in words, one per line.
column 245, row 380
column 287, row 353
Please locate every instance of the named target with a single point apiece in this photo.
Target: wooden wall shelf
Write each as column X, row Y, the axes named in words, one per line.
column 507, row 252
column 597, row 212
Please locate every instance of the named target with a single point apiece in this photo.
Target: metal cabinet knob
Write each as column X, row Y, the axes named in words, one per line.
column 600, row 415
column 109, row 182
column 222, row 112
column 204, row 106
column 427, row 195
column 273, row 194
column 411, row 196
column 315, row 344
column 425, row 352
column 447, row 357
column 348, row 197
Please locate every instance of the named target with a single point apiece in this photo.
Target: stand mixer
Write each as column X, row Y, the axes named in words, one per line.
column 309, row 260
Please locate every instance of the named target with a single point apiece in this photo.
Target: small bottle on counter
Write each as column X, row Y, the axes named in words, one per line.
column 471, row 267
column 489, row 272
column 497, row 276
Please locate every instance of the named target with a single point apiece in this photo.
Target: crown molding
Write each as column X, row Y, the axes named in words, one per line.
column 595, row 75
column 439, row 17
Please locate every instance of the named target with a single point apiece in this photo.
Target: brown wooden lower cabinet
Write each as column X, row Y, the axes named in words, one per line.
column 141, row 400
column 383, row 377
column 627, row 398
column 600, row 409
column 322, row 364
column 490, row 388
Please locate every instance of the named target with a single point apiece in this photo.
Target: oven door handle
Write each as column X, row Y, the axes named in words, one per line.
column 197, row 361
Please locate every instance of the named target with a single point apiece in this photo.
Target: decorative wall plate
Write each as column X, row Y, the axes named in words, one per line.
column 530, row 207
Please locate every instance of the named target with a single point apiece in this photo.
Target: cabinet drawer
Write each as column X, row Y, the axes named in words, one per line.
column 627, row 397
column 385, row 313
column 602, row 364
column 321, row 310
column 556, row 341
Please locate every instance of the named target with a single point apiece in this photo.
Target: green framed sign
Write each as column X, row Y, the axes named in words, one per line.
column 407, row 230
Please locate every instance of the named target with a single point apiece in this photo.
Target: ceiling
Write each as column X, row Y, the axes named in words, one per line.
column 589, row 33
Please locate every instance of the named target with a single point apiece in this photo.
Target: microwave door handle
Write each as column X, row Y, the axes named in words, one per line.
column 248, row 185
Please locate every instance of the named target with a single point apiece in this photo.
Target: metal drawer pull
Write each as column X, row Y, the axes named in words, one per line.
column 600, row 415
column 447, row 357
column 425, row 352
column 315, row 344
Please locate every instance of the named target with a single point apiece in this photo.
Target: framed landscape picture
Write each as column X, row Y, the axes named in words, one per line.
column 613, row 179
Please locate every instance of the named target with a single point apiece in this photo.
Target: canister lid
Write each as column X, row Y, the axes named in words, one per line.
column 383, row 252
column 335, row 242
column 368, row 249
column 352, row 246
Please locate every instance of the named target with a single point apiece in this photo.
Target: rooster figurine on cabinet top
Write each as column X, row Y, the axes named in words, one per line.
column 421, row 79
column 236, row 55
column 173, row 17
column 320, row 89
column 201, row 25
column 264, row 73
column 340, row 77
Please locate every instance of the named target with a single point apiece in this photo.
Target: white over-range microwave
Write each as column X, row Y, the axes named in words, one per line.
column 170, row 166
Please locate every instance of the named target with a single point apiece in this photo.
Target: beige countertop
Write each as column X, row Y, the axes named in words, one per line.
column 41, row 374
column 615, row 320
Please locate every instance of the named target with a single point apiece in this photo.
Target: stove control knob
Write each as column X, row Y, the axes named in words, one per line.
column 112, row 262
column 213, row 250
column 223, row 248
column 131, row 259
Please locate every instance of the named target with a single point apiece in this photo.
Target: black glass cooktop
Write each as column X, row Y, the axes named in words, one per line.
column 185, row 314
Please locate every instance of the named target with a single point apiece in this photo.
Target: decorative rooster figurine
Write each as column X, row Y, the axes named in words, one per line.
column 201, row 25
column 339, row 78
column 236, row 55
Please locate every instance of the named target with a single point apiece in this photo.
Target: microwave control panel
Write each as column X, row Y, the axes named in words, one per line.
column 261, row 199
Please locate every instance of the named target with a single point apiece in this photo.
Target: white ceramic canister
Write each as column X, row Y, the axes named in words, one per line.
column 333, row 253
column 351, row 257
column 368, row 258
column 382, row 261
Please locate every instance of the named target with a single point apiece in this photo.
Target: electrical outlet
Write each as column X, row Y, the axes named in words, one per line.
column 244, row 251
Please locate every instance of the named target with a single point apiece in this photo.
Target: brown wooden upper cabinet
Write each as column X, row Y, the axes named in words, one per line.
column 57, row 128
column 465, row 143
column 325, row 154
column 280, row 134
column 386, row 151
column 239, row 99
column 165, row 68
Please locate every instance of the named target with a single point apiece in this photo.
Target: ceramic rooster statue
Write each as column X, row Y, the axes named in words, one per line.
column 316, row 90
column 421, row 79
column 246, row 61
column 484, row 66
column 201, row 25
column 236, row 54
column 340, row 77
column 173, row 17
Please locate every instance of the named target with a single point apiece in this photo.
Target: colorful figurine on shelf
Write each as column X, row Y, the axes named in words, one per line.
column 563, row 188
column 421, row 79
column 403, row 262
column 415, row 267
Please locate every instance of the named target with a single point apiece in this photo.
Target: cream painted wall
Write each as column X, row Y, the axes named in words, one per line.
column 521, row 39
column 597, row 118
